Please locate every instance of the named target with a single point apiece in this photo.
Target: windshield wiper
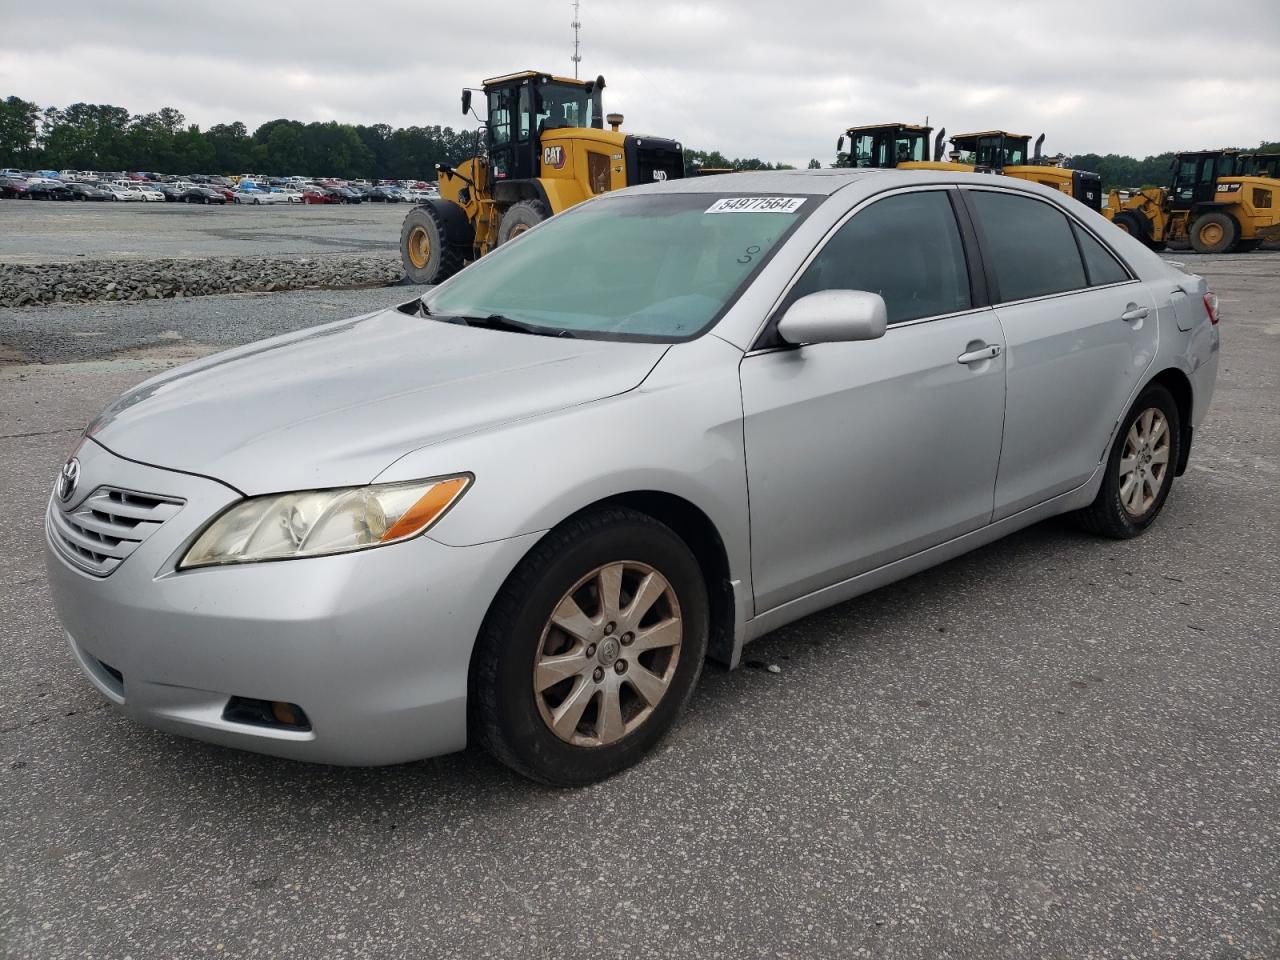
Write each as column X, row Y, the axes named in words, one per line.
column 496, row 321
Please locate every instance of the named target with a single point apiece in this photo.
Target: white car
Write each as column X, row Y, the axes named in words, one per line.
column 149, row 193
column 258, row 197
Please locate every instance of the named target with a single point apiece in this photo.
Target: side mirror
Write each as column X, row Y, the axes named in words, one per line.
column 834, row 316
column 840, row 144
column 466, row 102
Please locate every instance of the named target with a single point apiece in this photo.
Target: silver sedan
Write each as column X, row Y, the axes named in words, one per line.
column 525, row 508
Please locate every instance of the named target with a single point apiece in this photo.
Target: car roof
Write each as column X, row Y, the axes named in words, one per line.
column 811, row 182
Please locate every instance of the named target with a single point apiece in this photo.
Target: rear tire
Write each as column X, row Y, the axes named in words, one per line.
column 424, row 250
column 564, row 580
column 1141, row 456
column 521, row 217
column 1214, row 232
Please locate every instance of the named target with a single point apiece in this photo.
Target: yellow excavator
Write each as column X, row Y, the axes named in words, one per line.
column 1215, row 203
column 545, row 149
column 992, row 151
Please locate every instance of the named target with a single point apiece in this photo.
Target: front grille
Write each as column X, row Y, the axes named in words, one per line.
column 99, row 534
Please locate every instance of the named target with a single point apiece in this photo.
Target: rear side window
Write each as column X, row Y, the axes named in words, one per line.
column 1029, row 246
column 1101, row 266
column 905, row 248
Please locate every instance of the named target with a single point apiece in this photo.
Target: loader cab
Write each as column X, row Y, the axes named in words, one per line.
column 1195, row 177
column 993, row 149
column 524, row 105
column 884, row 146
column 1259, row 165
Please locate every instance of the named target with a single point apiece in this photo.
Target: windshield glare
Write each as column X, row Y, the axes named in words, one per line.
column 656, row 267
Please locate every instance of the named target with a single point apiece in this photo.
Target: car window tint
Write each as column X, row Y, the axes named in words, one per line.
column 1100, row 264
column 1029, row 246
column 906, row 248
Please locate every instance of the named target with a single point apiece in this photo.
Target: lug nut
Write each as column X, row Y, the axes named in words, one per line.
column 598, row 675
column 591, row 650
column 627, row 639
column 610, row 627
column 620, row 666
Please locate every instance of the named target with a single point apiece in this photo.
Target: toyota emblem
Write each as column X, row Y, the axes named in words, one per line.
column 68, row 479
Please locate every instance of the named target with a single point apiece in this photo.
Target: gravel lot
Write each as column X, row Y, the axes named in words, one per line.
column 1055, row 747
column 32, row 231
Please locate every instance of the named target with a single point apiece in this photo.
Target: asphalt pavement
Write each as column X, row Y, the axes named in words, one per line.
column 1054, row 747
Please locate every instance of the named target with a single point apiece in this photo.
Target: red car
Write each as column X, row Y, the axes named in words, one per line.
column 312, row 195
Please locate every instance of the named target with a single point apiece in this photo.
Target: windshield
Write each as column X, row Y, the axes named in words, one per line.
column 657, row 267
column 561, row 105
column 885, row 150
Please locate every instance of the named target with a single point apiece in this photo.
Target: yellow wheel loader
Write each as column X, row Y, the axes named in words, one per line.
column 907, row 146
column 1211, row 205
column 545, row 149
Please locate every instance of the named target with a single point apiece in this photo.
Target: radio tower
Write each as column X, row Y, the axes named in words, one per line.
column 577, row 25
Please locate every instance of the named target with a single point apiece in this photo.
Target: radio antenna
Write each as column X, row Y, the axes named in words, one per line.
column 577, row 25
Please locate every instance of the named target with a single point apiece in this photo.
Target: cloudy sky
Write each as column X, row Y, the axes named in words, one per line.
column 775, row 80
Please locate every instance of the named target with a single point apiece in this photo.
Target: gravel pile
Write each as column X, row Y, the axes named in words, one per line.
column 84, row 281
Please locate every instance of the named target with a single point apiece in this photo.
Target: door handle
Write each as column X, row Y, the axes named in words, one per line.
column 1135, row 312
column 982, row 353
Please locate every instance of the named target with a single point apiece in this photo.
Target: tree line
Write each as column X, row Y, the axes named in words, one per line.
column 90, row 136
column 93, row 136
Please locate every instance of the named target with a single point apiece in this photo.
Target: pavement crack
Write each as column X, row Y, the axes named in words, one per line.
column 38, row 433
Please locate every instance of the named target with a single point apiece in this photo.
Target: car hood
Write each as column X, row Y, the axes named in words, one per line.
column 336, row 404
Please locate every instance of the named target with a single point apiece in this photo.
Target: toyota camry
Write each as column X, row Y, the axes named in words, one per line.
column 523, row 509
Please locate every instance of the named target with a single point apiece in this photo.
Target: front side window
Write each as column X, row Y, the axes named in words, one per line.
column 657, row 267
column 1029, row 245
column 906, row 248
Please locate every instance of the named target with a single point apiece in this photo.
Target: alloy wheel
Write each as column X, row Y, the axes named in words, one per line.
column 1144, row 462
column 608, row 654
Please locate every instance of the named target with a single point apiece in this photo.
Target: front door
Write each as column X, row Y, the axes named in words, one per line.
column 859, row 454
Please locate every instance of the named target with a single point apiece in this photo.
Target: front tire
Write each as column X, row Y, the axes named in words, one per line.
column 1139, row 469
column 591, row 649
column 425, row 251
column 1132, row 223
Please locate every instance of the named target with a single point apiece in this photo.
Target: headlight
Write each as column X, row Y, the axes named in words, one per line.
column 313, row 523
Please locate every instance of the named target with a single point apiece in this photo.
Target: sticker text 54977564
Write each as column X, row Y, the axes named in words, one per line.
column 756, row 205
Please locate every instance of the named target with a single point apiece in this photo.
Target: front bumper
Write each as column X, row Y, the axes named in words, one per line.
column 374, row 645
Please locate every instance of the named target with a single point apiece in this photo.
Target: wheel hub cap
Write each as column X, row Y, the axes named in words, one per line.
column 1144, row 462
column 608, row 651
column 608, row 654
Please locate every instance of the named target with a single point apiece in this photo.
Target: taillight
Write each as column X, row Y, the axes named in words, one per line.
column 1211, row 307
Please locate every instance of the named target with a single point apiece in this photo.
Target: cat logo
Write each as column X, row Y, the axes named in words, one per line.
column 660, row 175
column 553, row 157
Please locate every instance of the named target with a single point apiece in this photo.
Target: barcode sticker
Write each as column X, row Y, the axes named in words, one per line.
column 756, row 205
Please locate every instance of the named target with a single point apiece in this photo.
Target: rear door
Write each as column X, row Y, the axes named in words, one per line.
column 1080, row 332
column 859, row 454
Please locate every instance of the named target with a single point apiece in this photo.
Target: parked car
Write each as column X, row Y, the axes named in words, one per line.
column 87, row 191
column 200, row 194
column 13, row 188
column 257, row 197
column 385, row 195
column 347, row 195
column 904, row 366
column 150, row 193
column 116, row 191
column 320, row 195
column 45, row 190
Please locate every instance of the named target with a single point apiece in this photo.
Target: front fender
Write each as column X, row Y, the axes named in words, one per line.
column 679, row 432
